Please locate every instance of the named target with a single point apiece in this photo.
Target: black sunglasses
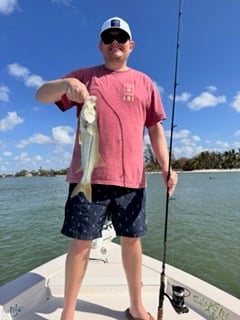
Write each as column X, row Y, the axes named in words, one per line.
column 108, row 38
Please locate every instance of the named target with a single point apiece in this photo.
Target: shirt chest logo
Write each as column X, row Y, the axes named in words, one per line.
column 128, row 92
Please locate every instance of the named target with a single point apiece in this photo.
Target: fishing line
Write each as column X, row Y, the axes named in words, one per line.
column 178, row 293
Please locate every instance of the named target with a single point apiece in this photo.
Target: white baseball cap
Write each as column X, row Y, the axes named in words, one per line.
column 116, row 23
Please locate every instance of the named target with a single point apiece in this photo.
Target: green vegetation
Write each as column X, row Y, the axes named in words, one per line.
column 36, row 173
column 205, row 160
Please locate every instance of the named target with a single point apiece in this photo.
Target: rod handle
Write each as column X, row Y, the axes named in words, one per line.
column 160, row 314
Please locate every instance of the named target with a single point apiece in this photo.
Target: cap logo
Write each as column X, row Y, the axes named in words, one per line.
column 115, row 23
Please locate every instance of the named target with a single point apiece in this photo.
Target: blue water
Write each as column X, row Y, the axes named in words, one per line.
column 203, row 226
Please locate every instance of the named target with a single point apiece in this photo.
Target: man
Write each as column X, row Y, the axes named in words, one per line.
column 127, row 102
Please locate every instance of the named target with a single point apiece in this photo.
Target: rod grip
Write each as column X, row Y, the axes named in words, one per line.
column 160, row 314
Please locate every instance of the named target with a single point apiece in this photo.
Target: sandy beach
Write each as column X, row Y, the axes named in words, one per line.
column 214, row 170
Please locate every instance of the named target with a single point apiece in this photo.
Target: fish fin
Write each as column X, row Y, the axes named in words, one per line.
column 87, row 190
column 99, row 161
column 80, row 138
column 79, row 168
column 76, row 190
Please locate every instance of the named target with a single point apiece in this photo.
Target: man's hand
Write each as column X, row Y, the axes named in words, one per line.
column 76, row 90
column 171, row 182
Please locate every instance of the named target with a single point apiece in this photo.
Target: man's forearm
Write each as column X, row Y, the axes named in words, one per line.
column 159, row 145
column 51, row 91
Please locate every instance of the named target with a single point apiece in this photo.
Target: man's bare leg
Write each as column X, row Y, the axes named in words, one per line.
column 132, row 262
column 76, row 265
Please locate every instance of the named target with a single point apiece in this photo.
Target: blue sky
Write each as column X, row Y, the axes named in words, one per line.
column 44, row 39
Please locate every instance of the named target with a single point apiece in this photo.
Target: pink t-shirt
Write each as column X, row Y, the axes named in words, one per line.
column 127, row 102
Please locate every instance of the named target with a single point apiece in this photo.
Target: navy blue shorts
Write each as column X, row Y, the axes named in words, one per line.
column 125, row 206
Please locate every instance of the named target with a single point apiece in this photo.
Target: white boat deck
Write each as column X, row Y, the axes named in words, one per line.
column 38, row 295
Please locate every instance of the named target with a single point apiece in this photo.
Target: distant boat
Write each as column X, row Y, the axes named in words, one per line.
column 38, row 294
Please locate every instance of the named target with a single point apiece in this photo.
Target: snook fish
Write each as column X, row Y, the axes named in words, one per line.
column 89, row 140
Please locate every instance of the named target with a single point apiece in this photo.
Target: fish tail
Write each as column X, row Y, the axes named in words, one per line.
column 86, row 188
column 75, row 191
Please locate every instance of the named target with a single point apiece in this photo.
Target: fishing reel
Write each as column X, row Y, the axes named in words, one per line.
column 177, row 300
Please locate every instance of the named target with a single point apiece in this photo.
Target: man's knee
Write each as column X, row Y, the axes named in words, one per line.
column 80, row 246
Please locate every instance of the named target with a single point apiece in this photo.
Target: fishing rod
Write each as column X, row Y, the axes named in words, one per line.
column 178, row 293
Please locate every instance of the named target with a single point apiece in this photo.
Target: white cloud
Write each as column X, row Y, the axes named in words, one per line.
column 60, row 153
column 236, row 102
column 60, row 136
column 146, row 138
column 196, row 138
column 23, row 157
column 8, row 6
column 160, row 88
column 37, row 138
column 35, row 108
column 4, row 93
column 29, row 161
column 23, row 73
column 7, row 154
column 185, row 144
column 178, row 134
column 10, row 121
column 64, row 2
column 38, row 158
column 236, row 145
column 184, row 97
column 17, row 70
column 187, row 151
column 205, row 100
column 212, row 88
column 188, row 142
column 34, row 80
column 224, row 145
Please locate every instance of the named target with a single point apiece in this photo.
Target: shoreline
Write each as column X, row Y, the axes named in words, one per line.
column 199, row 171
column 212, row 170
